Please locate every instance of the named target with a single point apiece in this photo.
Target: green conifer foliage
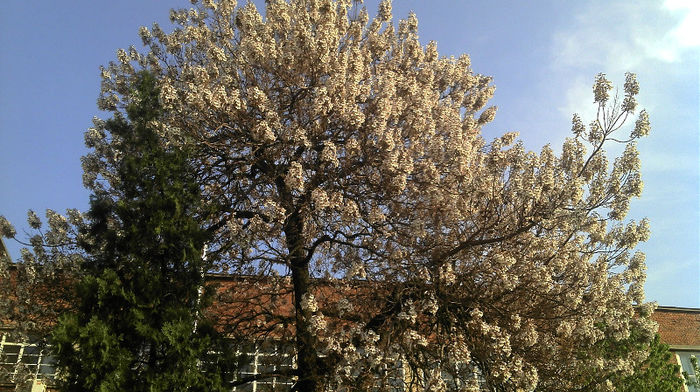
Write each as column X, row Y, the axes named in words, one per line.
column 139, row 325
column 656, row 374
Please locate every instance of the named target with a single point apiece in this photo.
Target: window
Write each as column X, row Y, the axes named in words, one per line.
column 392, row 377
column 687, row 367
column 21, row 361
column 464, row 371
column 270, row 358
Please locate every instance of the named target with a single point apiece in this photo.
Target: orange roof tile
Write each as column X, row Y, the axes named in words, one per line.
column 678, row 326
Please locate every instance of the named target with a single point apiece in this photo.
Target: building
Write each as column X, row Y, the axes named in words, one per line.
column 680, row 329
column 31, row 365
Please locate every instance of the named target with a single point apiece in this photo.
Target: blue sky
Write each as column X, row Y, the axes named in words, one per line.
column 542, row 55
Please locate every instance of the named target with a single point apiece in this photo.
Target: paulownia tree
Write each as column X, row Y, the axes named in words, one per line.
column 373, row 222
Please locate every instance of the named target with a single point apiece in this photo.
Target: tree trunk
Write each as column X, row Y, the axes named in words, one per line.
column 307, row 359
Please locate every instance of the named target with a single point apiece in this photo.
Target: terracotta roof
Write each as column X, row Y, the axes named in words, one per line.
column 678, row 326
column 38, row 304
column 246, row 302
column 265, row 304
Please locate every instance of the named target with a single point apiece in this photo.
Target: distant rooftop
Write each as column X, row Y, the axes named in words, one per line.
column 678, row 327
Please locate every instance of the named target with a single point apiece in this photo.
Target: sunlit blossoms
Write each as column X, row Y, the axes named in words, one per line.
column 6, row 228
column 337, row 150
column 51, row 257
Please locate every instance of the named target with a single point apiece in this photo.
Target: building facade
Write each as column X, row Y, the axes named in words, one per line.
column 29, row 366
column 680, row 329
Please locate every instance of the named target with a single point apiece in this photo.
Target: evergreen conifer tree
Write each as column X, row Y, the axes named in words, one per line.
column 656, row 374
column 139, row 326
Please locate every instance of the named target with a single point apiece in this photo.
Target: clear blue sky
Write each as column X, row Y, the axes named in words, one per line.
column 543, row 56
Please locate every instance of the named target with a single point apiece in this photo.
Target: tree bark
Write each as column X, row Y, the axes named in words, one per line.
column 307, row 357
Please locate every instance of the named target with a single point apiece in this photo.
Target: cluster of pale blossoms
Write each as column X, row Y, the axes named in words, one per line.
column 52, row 246
column 51, row 254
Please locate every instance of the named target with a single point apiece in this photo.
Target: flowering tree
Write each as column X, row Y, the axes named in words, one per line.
column 341, row 154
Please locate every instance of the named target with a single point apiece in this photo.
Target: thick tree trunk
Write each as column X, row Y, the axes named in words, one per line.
column 307, row 359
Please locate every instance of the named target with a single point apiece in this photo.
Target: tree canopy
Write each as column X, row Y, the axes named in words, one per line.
column 338, row 155
column 139, row 323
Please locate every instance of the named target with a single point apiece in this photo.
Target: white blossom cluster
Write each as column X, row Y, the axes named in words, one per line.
column 33, row 287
